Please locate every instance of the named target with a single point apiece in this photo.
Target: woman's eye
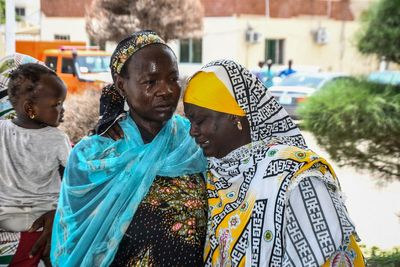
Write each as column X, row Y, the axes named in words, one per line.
column 198, row 122
column 150, row 82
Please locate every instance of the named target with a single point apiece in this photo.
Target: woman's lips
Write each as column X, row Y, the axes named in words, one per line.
column 164, row 108
column 203, row 144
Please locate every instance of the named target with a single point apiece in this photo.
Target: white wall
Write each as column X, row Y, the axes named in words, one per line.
column 74, row 27
column 32, row 10
column 339, row 54
column 224, row 37
column 221, row 39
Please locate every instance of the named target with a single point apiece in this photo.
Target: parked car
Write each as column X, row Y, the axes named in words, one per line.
column 294, row 89
column 385, row 77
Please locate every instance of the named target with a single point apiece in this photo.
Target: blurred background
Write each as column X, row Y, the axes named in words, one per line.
column 333, row 64
column 315, row 34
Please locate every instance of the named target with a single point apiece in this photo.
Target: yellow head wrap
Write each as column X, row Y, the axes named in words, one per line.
column 206, row 90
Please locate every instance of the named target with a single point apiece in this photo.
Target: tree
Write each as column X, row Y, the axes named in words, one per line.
column 380, row 33
column 358, row 123
column 2, row 12
column 112, row 20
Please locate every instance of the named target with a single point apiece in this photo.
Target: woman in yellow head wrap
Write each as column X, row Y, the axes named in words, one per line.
column 272, row 201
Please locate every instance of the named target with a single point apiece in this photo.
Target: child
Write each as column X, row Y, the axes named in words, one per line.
column 33, row 155
column 7, row 65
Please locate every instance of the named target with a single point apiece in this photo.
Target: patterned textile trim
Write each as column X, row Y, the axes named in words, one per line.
column 130, row 46
column 8, row 246
column 7, row 114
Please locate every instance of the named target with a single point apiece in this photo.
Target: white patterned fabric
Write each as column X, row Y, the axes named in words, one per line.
column 273, row 202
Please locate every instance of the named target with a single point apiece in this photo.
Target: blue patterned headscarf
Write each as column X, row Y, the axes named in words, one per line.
column 104, row 183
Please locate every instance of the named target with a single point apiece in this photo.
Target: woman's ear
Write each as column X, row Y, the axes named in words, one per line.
column 120, row 85
column 235, row 119
column 242, row 124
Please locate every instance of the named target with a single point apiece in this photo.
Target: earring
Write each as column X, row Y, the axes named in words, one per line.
column 32, row 116
column 126, row 106
column 239, row 125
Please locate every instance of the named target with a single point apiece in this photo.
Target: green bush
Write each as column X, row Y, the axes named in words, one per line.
column 377, row 258
column 380, row 31
column 358, row 123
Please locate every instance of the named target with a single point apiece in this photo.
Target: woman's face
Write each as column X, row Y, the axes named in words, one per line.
column 215, row 132
column 152, row 86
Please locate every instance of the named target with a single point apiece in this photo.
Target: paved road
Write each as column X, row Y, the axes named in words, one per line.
column 374, row 208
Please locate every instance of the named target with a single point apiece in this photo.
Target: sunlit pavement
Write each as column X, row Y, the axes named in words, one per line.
column 374, row 208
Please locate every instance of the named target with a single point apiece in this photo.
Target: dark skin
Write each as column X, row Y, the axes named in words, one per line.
column 45, row 221
column 47, row 112
column 151, row 89
column 115, row 132
column 215, row 132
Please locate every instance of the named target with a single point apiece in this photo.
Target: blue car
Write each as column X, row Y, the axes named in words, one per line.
column 385, row 77
column 296, row 88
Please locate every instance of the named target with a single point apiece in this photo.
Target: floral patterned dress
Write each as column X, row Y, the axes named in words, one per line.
column 169, row 226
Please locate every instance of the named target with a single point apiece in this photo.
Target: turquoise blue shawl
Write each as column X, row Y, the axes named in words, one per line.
column 105, row 181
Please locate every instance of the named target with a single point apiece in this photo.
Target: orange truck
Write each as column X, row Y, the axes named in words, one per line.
column 79, row 66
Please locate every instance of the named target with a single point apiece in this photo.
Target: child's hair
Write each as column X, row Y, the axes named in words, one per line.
column 24, row 81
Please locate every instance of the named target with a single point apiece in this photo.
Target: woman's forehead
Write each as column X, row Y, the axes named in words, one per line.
column 150, row 58
column 154, row 51
column 193, row 111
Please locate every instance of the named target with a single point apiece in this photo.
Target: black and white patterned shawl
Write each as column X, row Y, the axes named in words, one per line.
column 266, row 198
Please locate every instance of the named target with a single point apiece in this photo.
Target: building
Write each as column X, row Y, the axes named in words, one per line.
column 49, row 20
column 315, row 34
column 63, row 20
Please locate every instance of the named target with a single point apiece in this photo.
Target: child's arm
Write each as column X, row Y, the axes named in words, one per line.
column 44, row 241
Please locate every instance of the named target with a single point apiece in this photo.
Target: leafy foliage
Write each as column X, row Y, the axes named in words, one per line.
column 171, row 19
column 2, row 11
column 380, row 33
column 380, row 258
column 358, row 123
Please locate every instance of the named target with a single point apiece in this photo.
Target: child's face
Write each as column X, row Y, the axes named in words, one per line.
column 48, row 105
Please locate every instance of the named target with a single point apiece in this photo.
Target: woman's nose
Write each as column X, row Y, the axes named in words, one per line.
column 194, row 131
column 165, row 89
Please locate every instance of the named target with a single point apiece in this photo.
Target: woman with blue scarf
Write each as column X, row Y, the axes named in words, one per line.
column 138, row 201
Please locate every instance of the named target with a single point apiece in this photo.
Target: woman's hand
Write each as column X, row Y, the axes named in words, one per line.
column 44, row 241
column 115, row 132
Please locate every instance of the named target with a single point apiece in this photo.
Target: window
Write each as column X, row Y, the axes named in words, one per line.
column 191, row 50
column 20, row 12
column 51, row 62
column 62, row 37
column 274, row 49
column 93, row 64
column 67, row 65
